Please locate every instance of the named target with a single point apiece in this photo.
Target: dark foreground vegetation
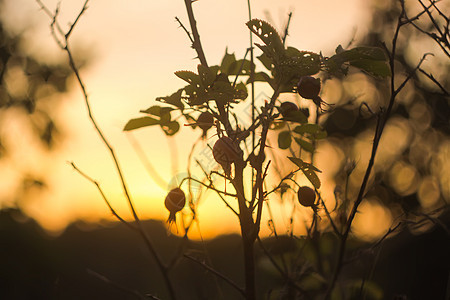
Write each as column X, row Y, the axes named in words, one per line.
column 110, row 262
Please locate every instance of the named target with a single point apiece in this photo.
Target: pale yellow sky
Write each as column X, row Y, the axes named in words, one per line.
column 136, row 46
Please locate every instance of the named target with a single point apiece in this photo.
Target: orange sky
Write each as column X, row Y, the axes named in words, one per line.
column 135, row 47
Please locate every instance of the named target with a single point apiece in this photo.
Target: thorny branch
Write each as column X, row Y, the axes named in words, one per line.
column 97, row 185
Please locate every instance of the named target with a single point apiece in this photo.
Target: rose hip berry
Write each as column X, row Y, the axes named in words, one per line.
column 174, row 202
column 205, row 121
column 225, row 152
column 286, row 108
column 306, row 196
column 308, row 87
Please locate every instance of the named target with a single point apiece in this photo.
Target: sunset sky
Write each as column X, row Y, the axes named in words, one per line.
column 134, row 47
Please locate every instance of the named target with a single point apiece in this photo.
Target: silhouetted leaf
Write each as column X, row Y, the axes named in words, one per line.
column 296, row 116
column 188, row 76
column 372, row 67
column 170, row 128
column 309, row 171
column 228, row 62
column 305, row 145
column 140, row 122
column 314, row 130
column 207, row 75
column 174, row 99
column 371, row 60
column 269, row 36
column 284, row 140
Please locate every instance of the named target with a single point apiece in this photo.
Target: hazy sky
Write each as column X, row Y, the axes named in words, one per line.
column 135, row 46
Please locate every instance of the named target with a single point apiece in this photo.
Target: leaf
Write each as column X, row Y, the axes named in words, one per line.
column 206, row 74
column 157, row 110
column 240, row 91
column 266, row 61
column 284, row 140
column 174, row 99
column 372, row 53
column 307, row 146
column 170, row 128
column 269, row 36
column 260, row 76
column 298, row 63
column 309, row 170
column 189, row 76
column 140, row 122
column 372, row 67
column 228, row 61
column 296, row 116
column 315, row 131
column 371, row 60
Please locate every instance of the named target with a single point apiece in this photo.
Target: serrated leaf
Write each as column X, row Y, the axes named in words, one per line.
column 140, row 122
column 298, row 63
column 284, row 140
column 269, row 36
column 188, row 76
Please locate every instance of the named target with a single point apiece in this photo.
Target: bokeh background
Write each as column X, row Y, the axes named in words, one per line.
column 127, row 53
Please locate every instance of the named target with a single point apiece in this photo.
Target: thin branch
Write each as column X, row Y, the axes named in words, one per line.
column 94, row 182
column 402, row 85
column 218, row 274
column 185, row 30
column 284, row 274
column 83, row 9
column 211, row 184
column 196, row 44
column 286, row 29
column 431, row 77
column 119, row 287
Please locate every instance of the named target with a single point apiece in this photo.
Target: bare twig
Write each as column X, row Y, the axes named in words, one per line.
column 119, row 287
column 103, row 196
column 286, row 29
column 196, row 44
column 185, row 30
column 218, row 274
column 284, row 274
column 431, row 77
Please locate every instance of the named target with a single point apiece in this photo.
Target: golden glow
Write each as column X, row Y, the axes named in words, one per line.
column 134, row 50
column 372, row 220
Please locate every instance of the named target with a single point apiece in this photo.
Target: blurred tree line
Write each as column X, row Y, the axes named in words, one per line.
column 411, row 175
column 30, row 95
